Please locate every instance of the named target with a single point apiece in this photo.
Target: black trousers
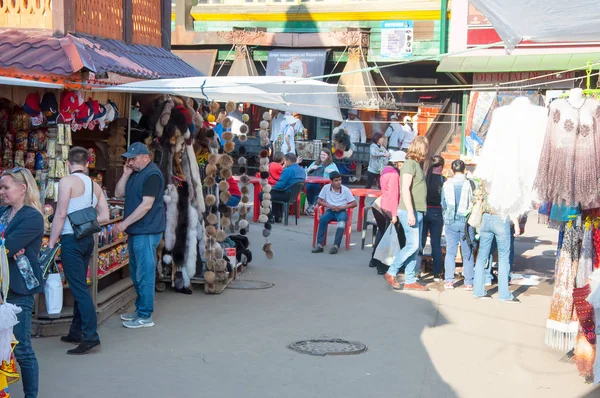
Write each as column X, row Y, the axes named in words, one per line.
column 372, row 178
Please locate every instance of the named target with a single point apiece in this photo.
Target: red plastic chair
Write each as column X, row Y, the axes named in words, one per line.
column 319, row 210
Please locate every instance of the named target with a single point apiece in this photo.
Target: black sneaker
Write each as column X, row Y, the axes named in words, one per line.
column 70, row 339
column 513, row 300
column 334, row 249
column 84, row 347
column 318, row 249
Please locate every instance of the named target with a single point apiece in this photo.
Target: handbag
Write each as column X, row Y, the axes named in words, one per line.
column 388, row 246
column 476, row 216
column 85, row 221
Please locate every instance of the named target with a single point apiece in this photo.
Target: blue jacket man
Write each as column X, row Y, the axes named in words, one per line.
column 292, row 174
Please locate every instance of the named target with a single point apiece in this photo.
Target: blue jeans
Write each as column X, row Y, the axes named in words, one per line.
column 341, row 217
column 455, row 235
column 511, row 257
column 24, row 350
column 409, row 255
column 493, row 226
column 142, row 265
column 75, row 254
column 233, row 201
column 312, row 191
column 433, row 223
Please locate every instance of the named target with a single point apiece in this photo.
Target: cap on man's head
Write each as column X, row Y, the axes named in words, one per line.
column 394, row 117
column 334, row 175
column 136, row 149
column 353, row 112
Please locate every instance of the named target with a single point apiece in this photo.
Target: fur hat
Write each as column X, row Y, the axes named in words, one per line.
column 210, row 277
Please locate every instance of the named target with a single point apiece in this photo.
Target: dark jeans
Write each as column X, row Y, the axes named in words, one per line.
column 312, row 192
column 75, row 255
column 372, row 178
column 277, row 208
column 433, row 223
column 24, row 350
column 341, row 217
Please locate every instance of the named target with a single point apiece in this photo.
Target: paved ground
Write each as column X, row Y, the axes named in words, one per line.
column 436, row 344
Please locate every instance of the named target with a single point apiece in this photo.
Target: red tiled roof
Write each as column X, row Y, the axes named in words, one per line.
column 41, row 52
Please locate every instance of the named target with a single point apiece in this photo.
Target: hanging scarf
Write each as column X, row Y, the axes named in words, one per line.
column 586, row 259
column 562, row 326
column 585, row 354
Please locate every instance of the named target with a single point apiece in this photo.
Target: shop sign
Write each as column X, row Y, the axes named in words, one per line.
column 300, row 63
column 396, row 39
column 541, row 78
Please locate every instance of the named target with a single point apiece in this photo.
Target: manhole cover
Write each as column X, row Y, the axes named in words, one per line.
column 324, row 347
column 249, row 285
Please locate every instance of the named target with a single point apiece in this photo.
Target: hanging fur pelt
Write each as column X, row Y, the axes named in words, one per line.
column 191, row 251
column 171, row 198
column 181, row 228
column 201, row 240
column 196, row 181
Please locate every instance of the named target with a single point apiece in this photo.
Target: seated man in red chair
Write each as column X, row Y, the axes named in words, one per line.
column 336, row 199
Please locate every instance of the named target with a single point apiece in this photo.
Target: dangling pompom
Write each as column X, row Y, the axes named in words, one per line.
column 229, row 146
column 269, row 255
column 267, row 247
column 266, row 196
column 209, row 181
column 211, row 265
column 214, row 145
column 245, row 199
column 235, row 217
column 211, row 231
column 214, row 107
column 244, row 179
column 263, row 218
column 263, row 182
column 244, row 129
column 243, row 138
column 243, row 210
column 266, row 203
column 243, row 231
column 227, row 136
column 264, row 142
column 243, row 224
column 225, row 222
column 264, row 175
column 264, row 124
column 242, row 161
column 225, row 162
column 264, row 161
column 230, row 106
column 263, row 153
column 210, row 118
column 167, row 259
column 265, row 210
column 223, row 186
column 268, row 226
column 266, row 189
column 221, row 235
column 210, row 200
column 226, row 173
column 266, row 233
column 212, row 158
column 245, row 190
column 245, row 118
column 242, row 150
column 224, row 196
column 266, row 115
column 211, row 170
column 242, row 169
column 212, row 219
column 209, row 277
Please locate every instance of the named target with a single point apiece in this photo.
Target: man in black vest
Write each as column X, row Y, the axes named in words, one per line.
column 142, row 184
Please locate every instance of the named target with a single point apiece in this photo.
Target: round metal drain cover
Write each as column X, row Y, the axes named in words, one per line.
column 249, row 285
column 322, row 347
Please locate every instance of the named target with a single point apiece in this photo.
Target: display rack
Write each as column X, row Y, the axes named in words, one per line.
column 110, row 291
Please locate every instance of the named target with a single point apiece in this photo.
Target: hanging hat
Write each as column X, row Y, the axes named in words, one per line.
column 100, row 118
column 115, row 108
column 397, row 156
column 32, row 108
column 110, row 113
column 49, row 107
column 407, row 119
column 69, row 102
column 84, row 113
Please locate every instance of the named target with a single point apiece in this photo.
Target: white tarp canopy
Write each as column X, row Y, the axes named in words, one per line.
column 542, row 20
column 12, row 81
column 304, row 96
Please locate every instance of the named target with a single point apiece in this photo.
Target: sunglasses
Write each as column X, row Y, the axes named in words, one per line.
column 15, row 170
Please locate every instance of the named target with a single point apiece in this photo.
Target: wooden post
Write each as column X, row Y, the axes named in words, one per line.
column 128, row 21
column 116, row 148
column 63, row 17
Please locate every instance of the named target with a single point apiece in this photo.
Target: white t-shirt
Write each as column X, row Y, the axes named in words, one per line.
column 396, row 134
column 341, row 198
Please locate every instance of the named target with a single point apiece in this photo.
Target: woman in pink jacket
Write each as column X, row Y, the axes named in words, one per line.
column 385, row 208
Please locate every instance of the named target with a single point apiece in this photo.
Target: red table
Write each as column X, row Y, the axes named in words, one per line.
column 317, row 180
column 362, row 193
column 257, row 190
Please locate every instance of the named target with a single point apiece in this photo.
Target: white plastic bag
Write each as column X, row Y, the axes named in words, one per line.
column 388, row 246
column 54, row 295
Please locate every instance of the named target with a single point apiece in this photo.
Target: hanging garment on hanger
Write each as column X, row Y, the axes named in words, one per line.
column 510, row 156
column 562, row 325
column 569, row 167
column 586, row 259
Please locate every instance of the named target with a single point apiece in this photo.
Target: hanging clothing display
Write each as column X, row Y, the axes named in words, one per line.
column 511, row 154
column 586, row 259
column 562, row 325
column 569, row 167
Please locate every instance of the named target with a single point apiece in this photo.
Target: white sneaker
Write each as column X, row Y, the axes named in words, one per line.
column 139, row 323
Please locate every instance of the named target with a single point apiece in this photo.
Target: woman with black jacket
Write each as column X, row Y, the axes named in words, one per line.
column 22, row 225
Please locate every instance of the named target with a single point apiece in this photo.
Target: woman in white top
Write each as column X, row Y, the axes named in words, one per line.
column 77, row 192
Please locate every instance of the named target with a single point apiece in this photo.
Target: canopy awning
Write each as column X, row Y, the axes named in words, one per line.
column 542, row 21
column 304, row 96
column 518, row 63
column 12, row 81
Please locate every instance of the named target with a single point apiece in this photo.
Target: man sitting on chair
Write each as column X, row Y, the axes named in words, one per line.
column 336, row 198
column 292, row 174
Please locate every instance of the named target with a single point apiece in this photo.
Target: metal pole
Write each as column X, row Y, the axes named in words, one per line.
column 129, row 99
column 444, row 27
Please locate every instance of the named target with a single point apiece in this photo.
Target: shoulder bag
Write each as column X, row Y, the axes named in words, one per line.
column 85, row 221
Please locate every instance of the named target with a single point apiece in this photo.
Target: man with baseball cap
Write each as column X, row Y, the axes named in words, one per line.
column 395, row 133
column 144, row 221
